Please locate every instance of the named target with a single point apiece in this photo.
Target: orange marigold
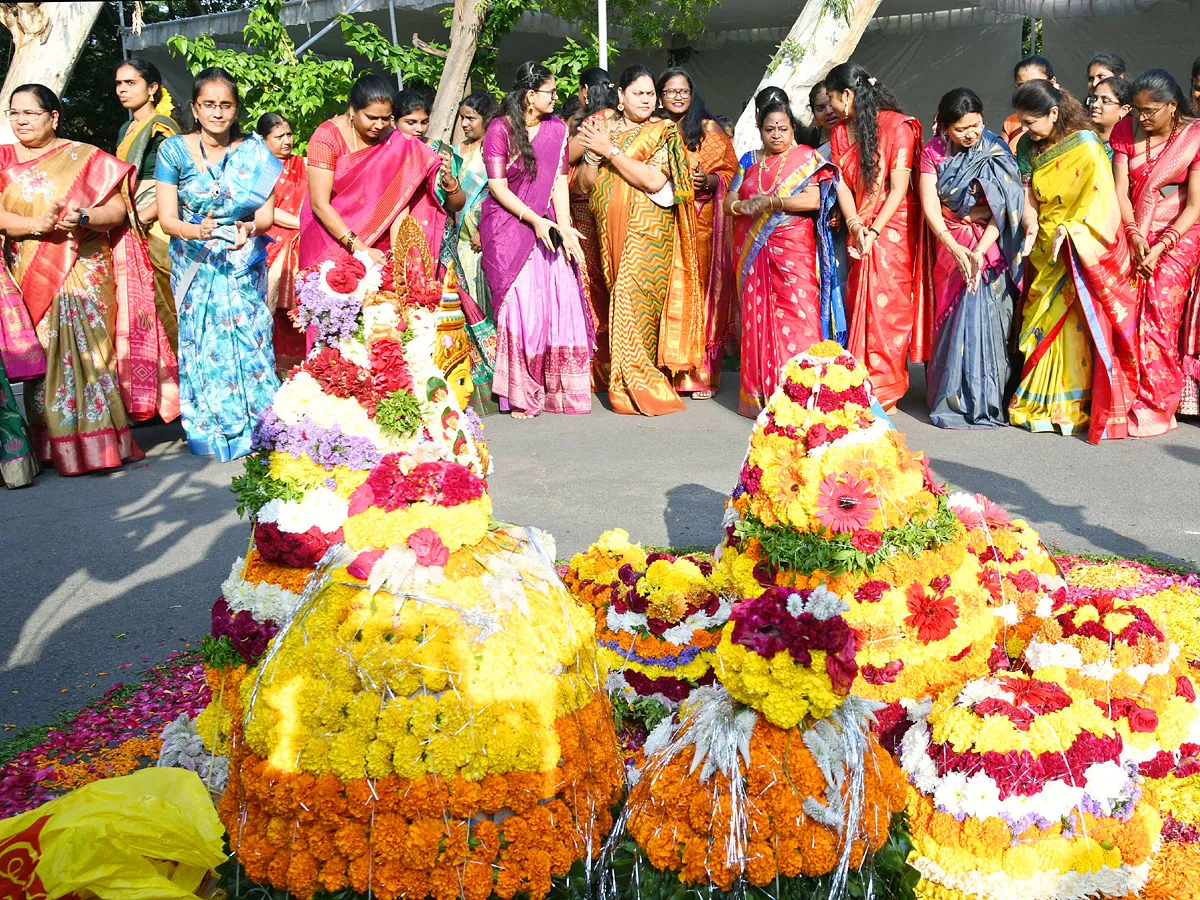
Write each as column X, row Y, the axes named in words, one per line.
column 302, row 875
column 333, row 873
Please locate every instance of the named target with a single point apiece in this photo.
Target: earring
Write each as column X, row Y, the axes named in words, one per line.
column 620, row 107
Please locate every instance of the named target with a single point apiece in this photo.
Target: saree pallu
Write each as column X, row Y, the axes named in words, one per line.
column 544, row 335
column 1162, row 298
column 77, row 412
column 714, row 257
column 227, row 365
column 656, row 315
column 283, row 264
column 1189, row 401
column 372, row 187
column 20, row 350
column 1078, row 319
column 968, row 368
column 595, row 291
column 881, row 296
column 133, row 147
column 18, row 466
column 786, row 277
column 475, row 296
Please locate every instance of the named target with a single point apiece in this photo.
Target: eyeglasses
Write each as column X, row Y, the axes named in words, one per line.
column 209, row 107
column 1145, row 112
column 1103, row 101
column 26, row 113
column 678, row 93
column 545, row 90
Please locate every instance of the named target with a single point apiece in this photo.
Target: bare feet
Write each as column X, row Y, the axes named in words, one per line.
column 702, row 395
column 521, row 414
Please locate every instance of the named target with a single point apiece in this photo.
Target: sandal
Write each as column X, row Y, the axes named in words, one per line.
column 702, row 395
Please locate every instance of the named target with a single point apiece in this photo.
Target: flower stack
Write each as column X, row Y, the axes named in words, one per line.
column 658, row 623
column 432, row 723
column 1021, row 793
column 375, row 389
column 1112, row 649
column 830, row 493
column 1022, row 580
column 770, row 780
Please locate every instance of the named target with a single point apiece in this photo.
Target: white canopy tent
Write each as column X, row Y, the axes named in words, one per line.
column 918, row 47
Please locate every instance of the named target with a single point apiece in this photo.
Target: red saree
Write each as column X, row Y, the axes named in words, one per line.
column 372, row 187
column 714, row 258
column 1159, row 191
column 283, row 262
column 880, row 289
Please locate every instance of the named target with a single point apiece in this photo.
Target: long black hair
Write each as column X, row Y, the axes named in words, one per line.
column 206, row 77
column 1040, row 96
column 871, row 98
column 483, row 103
column 1162, row 87
column 268, row 122
column 955, row 104
column 602, row 93
column 530, row 77
column 148, row 71
column 691, row 125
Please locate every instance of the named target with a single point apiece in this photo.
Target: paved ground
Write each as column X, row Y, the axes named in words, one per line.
column 109, row 571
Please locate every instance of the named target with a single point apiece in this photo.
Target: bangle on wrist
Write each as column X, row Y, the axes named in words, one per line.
column 873, row 231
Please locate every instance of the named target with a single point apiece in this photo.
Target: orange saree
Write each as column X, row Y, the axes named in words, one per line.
column 714, row 257
column 881, row 300
column 656, row 323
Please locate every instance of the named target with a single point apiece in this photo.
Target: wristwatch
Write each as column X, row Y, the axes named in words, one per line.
column 83, row 218
column 616, row 151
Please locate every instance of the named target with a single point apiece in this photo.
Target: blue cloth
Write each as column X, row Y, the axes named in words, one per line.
column 969, row 368
column 226, row 360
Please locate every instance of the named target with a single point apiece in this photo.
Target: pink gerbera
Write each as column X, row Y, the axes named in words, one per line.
column 845, row 506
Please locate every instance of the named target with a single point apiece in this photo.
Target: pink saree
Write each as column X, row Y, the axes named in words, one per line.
column 1159, row 191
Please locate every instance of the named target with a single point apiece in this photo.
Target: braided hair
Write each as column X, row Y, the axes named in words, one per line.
column 870, row 99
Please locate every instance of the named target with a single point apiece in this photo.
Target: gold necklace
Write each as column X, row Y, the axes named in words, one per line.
column 762, row 166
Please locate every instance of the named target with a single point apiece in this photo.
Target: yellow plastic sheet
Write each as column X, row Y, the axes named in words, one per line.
column 152, row 835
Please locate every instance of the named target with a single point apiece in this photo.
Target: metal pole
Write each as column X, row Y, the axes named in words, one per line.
column 602, row 34
column 312, row 40
column 392, row 16
column 121, row 16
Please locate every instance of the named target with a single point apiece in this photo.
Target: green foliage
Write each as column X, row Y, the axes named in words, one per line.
column 645, row 710
column 569, row 61
column 399, row 413
column 786, row 548
column 418, row 68
column 256, row 487
column 648, row 24
column 219, row 652
column 306, row 90
column 885, row 876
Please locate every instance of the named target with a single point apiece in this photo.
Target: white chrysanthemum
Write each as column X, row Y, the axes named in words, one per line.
column 964, row 501
column 951, row 795
column 264, row 601
column 825, row 604
column 1040, row 655
column 318, row 507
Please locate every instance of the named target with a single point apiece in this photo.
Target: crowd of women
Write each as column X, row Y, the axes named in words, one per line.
column 1046, row 274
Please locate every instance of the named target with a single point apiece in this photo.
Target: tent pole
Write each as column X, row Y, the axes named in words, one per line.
column 312, row 40
column 602, row 34
column 392, row 16
column 121, row 16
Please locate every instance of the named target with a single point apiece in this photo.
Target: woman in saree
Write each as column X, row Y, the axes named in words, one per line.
column 644, row 203
column 81, row 270
column 364, row 176
column 875, row 145
column 1156, row 165
column 1109, row 102
column 1078, row 319
column 713, row 163
column 786, row 274
column 530, row 250
column 140, row 90
column 973, row 202
column 461, row 245
column 283, row 253
column 19, row 349
column 598, row 97
column 216, row 201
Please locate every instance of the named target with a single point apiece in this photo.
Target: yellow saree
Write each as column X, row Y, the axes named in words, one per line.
column 1078, row 319
column 656, row 319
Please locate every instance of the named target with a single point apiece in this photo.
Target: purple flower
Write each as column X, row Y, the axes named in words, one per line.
column 333, row 315
column 327, row 447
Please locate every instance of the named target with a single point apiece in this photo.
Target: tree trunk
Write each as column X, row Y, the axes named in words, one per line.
column 464, row 31
column 47, row 41
column 820, row 40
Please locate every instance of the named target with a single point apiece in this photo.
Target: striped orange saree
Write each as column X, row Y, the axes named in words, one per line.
column 656, row 321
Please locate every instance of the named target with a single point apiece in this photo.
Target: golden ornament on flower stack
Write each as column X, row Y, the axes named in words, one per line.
column 831, row 494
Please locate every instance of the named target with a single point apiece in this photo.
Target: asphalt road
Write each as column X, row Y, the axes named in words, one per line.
column 109, row 573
